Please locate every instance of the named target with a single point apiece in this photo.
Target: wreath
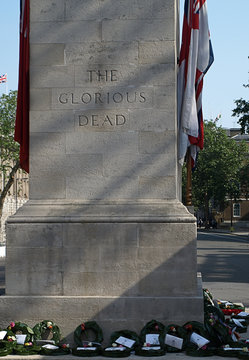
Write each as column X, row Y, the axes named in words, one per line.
column 27, row 349
column 117, row 350
column 23, row 329
column 239, row 329
column 230, row 350
column 178, row 331
column 243, row 354
column 218, row 330
column 239, row 317
column 9, row 340
column 7, row 343
column 193, row 349
column 45, row 325
column 147, row 349
column 55, row 350
column 87, row 347
column 4, row 351
column 229, row 308
column 208, row 298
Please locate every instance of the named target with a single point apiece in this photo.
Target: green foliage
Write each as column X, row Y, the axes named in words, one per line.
column 218, row 168
column 9, row 149
column 244, row 179
column 242, row 112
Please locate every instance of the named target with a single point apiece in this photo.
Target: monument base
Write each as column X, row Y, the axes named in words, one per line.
column 119, row 263
column 111, row 313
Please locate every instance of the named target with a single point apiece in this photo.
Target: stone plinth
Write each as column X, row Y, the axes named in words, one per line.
column 104, row 235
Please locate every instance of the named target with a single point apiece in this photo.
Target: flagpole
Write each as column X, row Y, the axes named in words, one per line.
column 189, row 180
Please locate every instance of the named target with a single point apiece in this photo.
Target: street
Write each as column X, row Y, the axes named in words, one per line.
column 223, row 260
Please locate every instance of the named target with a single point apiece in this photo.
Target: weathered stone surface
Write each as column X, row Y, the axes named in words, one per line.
column 47, row 54
column 51, row 76
column 137, row 30
column 61, row 166
column 47, row 187
column 127, row 9
column 119, row 53
column 151, row 142
column 45, row 121
column 152, row 120
column 75, row 11
column 156, row 52
column 159, row 74
column 36, row 236
column 160, row 187
column 40, row 99
column 39, row 271
column 53, row 143
column 165, row 97
column 47, row 10
column 64, row 32
column 119, row 164
column 101, row 142
column 95, row 188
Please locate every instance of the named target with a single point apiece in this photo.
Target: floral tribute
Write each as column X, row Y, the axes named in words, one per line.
column 152, row 340
column 178, row 332
column 53, row 346
column 87, row 347
column 122, row 344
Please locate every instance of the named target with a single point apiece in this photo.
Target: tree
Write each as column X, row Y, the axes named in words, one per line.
column 242, row 112
column 218, row 168
column 9, row 149
column 244, row 179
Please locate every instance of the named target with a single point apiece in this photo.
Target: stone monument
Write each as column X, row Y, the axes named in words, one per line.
column 104, row 235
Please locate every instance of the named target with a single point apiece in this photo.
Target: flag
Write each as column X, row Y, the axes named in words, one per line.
column 22, row 112
column 196, row 56
column 3, row 79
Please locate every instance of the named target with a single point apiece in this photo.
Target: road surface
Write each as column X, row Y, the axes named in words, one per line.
column 223, row 260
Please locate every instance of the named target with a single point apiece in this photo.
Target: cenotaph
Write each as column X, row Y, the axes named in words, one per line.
column 104, row 235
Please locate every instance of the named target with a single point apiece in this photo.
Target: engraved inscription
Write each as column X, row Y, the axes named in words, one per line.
column 96, row 105
column 102, row 98
column 106, row 120
column 103, row 75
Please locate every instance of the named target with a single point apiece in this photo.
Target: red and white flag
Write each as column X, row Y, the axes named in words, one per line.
column 3, row 79
column 196, row 56
column 22, row 112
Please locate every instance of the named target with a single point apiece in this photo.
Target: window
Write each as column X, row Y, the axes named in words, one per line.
column 236, row 210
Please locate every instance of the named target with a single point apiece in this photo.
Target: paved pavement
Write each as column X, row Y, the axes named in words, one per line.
column 168, row 356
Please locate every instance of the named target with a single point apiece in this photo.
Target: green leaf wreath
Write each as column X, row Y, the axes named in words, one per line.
column 115, row 353
column 93, row 345
column 59, row 350
column 152, row 327
column 21, row 328
column 27, row 349
column 45, row 325
column 191, row 348
column 7, row 343
column 178, row 331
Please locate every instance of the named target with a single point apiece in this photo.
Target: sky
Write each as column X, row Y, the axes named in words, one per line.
column 229, row 30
